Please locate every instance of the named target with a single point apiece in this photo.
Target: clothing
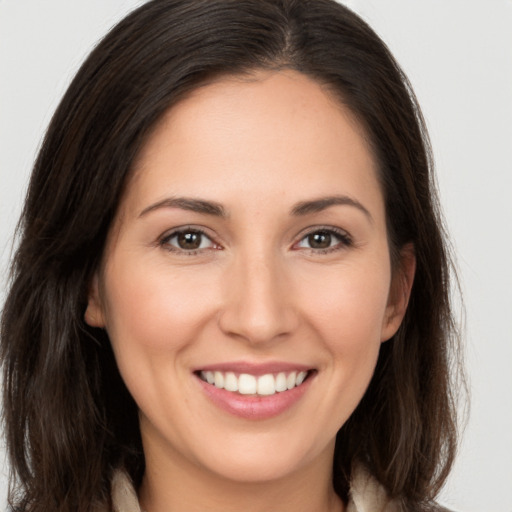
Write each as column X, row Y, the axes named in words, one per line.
column 366, row 494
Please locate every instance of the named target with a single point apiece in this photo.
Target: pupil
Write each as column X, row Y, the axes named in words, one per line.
column 319, row 240
column 189, row 240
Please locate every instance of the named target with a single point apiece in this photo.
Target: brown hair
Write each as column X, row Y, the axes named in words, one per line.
column 69, row 420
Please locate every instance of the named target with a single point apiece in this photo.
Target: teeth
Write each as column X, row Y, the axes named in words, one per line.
column 247, row 384
column 300, row 378
column 231, row 382
column 266, row 385
column 219, row 380
column 290, row 381
column 281, row 382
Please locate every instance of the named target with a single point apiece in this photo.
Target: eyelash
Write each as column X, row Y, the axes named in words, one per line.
column 165, row 241
column 344, row 240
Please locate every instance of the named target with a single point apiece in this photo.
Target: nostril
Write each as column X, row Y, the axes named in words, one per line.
column 257, row 325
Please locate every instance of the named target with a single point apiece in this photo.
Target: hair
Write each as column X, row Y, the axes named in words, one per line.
column 69, row 420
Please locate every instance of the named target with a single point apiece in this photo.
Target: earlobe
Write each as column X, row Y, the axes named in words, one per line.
column 94, row 315
column 400, row 292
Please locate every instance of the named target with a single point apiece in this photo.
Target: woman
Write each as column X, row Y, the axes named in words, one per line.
column 231, row 288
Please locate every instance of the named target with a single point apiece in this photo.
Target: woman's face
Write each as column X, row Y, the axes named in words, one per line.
column 250, row 253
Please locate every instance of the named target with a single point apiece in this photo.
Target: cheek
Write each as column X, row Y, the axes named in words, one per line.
column 348, row 307
column 153, row 318
column 149, row 309
column 347, row 319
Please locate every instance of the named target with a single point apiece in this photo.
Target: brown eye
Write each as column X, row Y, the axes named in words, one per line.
column 320, row 240
column 325, row 240
column 187, row 240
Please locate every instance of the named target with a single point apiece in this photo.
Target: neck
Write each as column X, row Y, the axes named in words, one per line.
column 173, row 483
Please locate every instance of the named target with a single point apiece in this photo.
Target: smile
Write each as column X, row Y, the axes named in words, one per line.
column 255, row 392
column 248, row 384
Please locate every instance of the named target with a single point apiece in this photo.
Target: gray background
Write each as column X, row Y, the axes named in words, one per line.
column 458, row 55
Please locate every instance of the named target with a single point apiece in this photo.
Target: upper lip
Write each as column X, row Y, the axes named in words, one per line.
column 253, row 368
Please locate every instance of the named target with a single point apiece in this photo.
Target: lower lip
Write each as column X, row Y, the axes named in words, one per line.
column 255, row 407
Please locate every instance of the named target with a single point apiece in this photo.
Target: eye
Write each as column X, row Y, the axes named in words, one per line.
column 325, row 240
column 188, row 240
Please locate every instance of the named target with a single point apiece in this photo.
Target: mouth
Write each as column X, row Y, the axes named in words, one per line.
column 255, row 391
column 250, row 384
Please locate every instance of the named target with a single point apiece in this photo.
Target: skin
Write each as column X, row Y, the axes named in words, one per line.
column 257, row 290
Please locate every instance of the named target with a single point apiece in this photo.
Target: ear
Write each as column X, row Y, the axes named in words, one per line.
column 400, row 291
column 94, row 315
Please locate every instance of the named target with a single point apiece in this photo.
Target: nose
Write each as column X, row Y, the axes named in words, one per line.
column 258, row 305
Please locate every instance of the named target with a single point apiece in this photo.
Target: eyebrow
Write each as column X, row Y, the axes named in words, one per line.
column 322, row 203
column 188, row 203
column 216, row 209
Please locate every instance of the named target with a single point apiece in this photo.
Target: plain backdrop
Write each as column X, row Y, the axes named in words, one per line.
column 458, row 55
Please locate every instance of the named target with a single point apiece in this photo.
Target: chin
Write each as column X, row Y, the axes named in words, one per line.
column 258, row 462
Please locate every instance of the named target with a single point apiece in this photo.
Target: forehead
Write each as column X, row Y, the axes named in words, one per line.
column 270, row 131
